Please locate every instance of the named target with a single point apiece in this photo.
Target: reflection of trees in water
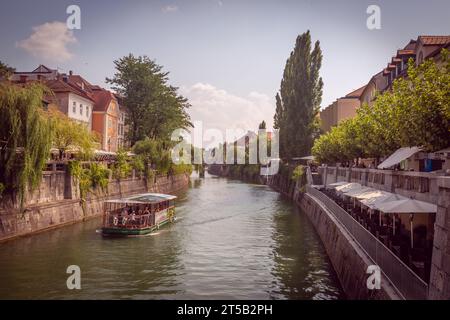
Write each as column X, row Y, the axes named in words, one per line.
column 301, row 264
column 196, row 183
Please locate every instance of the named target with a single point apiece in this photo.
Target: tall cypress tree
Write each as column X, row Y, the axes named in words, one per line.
column 278, row 117
column 300, row 97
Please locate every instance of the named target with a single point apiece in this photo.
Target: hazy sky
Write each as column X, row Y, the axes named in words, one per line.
column 226, row 56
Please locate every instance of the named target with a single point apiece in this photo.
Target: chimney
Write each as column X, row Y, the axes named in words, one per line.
column 64, row 77
column 71, row 73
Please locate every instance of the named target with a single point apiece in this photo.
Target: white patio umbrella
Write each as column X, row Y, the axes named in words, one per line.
column 336, row 184
column 406, row 206
column 379, row 197
column 411, row 206
column 354, row 193
column 347, row 187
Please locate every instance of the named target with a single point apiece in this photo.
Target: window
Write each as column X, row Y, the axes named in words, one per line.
column 87, row 111
column 81, row 109
column 74, row 107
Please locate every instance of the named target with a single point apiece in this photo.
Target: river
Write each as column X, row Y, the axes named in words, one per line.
column 231, row 240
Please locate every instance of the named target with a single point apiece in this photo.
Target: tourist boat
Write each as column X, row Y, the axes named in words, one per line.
column 138, row 214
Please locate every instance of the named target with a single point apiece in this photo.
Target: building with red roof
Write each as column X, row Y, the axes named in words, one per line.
column 105, row 118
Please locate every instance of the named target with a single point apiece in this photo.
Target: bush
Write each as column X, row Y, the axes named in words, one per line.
column 121, row 168
column 99, row 176
column 138, row 164
column 298, row 172
column 181, row 168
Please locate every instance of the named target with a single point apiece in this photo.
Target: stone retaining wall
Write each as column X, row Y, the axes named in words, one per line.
column 46, row 215
column 347, row 258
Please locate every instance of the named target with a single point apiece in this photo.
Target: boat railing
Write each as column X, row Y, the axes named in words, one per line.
column 129, row 221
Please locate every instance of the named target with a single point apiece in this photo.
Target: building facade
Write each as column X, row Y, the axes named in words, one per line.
column 341, row 109
column 424, row 47
column 76, row 104
column 122, row 125
column 105, row 118
column 81, row 101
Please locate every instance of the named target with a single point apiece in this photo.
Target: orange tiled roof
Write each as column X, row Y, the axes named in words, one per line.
column 78, row 80
column 102, row 98
column 390, row 66
column 404, row 52
column 434, row 40
column 61, row 86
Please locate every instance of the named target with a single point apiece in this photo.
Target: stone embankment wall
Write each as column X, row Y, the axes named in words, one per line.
column 57, row 202
column 349, row 261
column 440, row 261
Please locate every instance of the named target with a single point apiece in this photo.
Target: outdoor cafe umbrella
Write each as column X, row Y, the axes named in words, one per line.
column 407, row 206
column 348, row 186
column 354, row 193
column 377, row 198
column 336, row 184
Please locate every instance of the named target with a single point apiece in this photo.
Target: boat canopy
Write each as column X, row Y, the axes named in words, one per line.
column 144, row 198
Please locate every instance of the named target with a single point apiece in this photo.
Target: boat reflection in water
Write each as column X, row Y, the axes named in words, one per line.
column 137, row 215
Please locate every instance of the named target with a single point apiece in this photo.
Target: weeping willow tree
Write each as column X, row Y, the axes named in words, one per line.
column 25, row 138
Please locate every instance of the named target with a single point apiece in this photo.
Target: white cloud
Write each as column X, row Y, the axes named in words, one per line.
column 49, row 41
column 170, row 8
column 219, row 109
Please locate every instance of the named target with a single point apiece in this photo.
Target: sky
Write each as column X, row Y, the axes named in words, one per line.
column 226, row 56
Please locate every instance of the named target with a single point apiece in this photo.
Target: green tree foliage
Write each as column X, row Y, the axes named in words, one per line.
column 155, row 107
column 122, row 168
column 278, row 117
column 25, row 137
column 5, row 71
column 299, row 100
column 414, row 113
column 89, row 177
column 262, row 125
column 71, row 135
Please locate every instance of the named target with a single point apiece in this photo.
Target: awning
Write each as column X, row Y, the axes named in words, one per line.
column 398, row 156
column 383, row 196
column 372, row 194
column 354, row 193
column 406, row 206
column 336, row 184
column 348, row 186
